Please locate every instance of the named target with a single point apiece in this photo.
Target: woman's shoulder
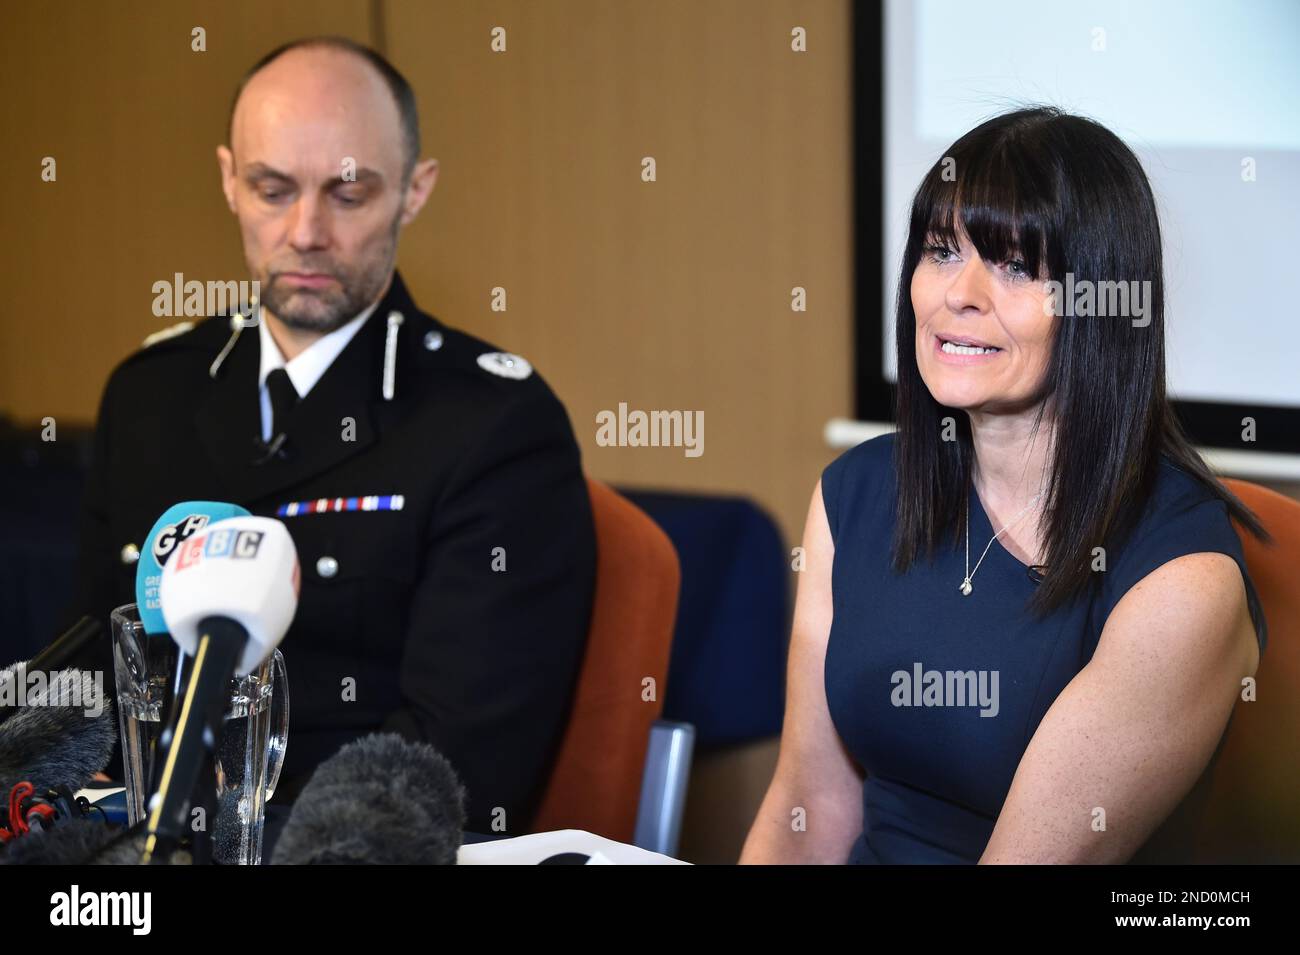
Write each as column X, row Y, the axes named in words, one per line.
column 1181, row 505
column 1175, row 487
column 1181, row 516
column 860, row 474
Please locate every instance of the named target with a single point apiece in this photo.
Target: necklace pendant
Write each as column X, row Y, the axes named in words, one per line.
column 966, row 587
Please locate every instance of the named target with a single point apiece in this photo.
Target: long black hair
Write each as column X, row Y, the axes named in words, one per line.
column 1063, row 194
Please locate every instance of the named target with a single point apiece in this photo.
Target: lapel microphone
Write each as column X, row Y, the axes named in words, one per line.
column 268, row 450
column 284, row 398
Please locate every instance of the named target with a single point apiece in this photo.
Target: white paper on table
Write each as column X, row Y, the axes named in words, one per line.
column 532, row 849
column 95, row 795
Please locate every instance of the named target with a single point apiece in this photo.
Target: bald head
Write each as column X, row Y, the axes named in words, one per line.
column 316, row 74
column 322, row 171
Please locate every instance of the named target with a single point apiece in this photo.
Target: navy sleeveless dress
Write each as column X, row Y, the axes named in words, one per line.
column 937, row 775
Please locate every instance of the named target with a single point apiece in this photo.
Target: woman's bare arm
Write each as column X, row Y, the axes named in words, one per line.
column 1127, row 738
column 813, row 808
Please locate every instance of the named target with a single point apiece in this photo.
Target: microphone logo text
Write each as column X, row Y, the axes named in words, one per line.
column 218, row 544
column 173, row 535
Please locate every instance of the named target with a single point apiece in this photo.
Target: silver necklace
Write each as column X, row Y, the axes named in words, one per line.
column 966, row 587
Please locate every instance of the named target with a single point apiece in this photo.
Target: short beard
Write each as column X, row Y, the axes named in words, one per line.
column 327, row 310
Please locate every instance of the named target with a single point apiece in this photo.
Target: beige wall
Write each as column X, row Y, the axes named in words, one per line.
column 666, row 295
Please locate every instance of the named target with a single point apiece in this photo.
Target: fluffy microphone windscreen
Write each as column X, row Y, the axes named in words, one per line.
column 128, row 848
column 61, row 736
column 68, row 842
column 84, row 841
column 380, row 800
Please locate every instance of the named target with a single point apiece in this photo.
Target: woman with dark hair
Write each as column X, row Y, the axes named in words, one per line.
column 1025, row 616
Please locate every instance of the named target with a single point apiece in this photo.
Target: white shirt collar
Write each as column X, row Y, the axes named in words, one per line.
column 306, row 368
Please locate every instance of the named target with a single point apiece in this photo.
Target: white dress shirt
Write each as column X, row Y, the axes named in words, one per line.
column 306, row 368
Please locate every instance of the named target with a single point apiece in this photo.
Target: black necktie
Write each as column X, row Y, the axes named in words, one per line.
column 283, row 399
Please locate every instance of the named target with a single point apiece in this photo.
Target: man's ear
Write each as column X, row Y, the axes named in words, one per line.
column 423, row 177
column 226, row 160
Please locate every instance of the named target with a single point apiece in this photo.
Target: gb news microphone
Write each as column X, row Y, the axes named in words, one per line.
column 228, row 595
column 176, row 525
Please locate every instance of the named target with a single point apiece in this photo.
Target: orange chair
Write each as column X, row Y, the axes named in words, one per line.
column 1252, row 809
column 597, row 780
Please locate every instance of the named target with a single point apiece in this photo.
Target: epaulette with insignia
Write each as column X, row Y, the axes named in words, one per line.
column 180, row 328
column 505, row 364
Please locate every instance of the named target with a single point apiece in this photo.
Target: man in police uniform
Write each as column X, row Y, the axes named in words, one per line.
column 431, row 483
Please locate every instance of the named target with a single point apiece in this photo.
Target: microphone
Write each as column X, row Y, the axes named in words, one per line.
column 176, row 525
column 61, row 738
column 127, row 847
column 74, row 842
column 269, row 450
column 87, row 840
column 228, row 594
column 57, row 656
column 380, row 800
column 50, row 746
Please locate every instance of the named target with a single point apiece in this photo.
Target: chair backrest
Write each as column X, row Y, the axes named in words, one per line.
column 596, row 782
column 1251, row 810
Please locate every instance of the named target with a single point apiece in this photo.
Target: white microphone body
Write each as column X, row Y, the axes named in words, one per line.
column 244, row 569
column 228, row 595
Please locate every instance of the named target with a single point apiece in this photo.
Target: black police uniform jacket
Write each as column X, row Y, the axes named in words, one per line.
column 459, row 619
